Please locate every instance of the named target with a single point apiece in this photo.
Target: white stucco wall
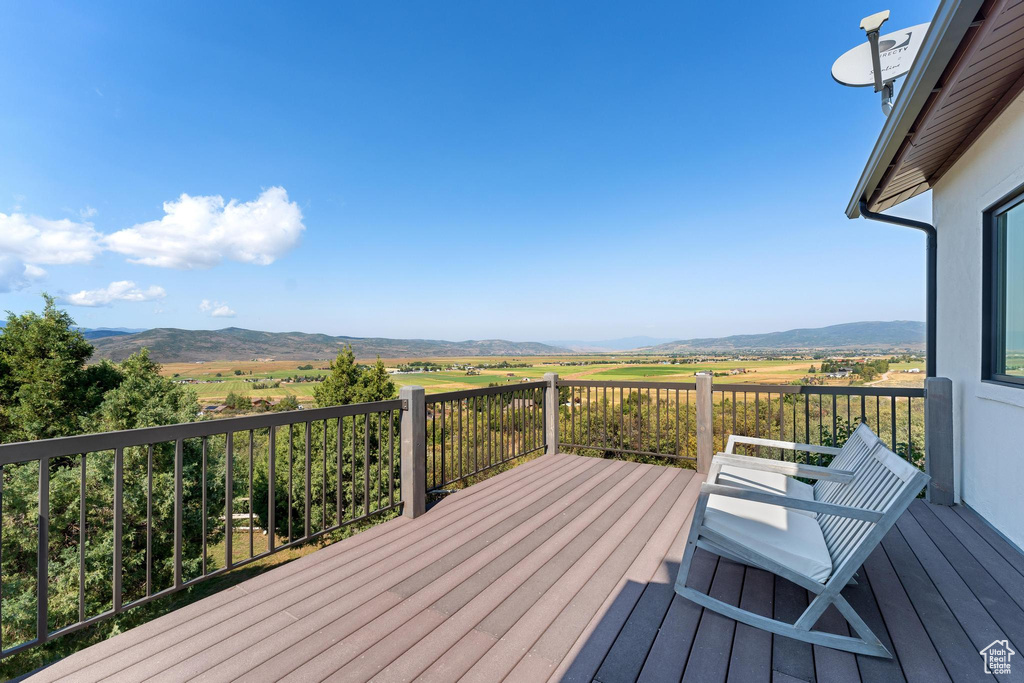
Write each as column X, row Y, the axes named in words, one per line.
column 988, row 419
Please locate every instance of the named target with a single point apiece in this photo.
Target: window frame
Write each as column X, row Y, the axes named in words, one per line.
column 993, row 351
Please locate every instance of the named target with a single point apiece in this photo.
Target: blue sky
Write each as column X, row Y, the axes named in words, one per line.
column 524, row 170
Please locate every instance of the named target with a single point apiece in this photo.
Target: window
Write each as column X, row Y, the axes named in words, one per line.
column 1003, row 356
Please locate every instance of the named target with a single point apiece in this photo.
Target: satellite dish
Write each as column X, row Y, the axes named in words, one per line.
column 896, row 52
column 881, row 60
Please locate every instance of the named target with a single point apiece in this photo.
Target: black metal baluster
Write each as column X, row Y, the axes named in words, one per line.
column 251, row 546
column 271, row 488
column 366, row 464
column 118, row 525
column 444, row 481
column 380, row 458
column 354, row 507
column 338, row 484
column 391, row 459
column 308, row 480
column 892, row 420
column 43, row 553
column 149, row 540
column 179, row 467
column 81, row 539
column 229, row 500
column 291, row 447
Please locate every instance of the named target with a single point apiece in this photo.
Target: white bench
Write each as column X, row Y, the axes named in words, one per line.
column 752, row 510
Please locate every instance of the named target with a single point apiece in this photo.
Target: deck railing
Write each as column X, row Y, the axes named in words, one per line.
column 119, row 519
column 107, row 522
column 473, row 431
column 655, row 419
column 820, row 415
column 664, row 419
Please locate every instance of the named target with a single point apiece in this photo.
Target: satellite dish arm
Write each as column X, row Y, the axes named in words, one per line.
column 876, row 60
column 872, row 25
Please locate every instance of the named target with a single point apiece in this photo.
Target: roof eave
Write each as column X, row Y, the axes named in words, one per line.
column 949, row 26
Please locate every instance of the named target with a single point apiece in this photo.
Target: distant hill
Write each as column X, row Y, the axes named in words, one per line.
column 897, row 335
column 101, row 332
column 172, row 345
column 98, row 332
column 604, row 345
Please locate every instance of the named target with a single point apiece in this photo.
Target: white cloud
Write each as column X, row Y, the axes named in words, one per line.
column 123, row 290
column 216, row 309
column 26, row 242
column 38, row 240
column 17, row 275
column 200, row 232
column 195, row 232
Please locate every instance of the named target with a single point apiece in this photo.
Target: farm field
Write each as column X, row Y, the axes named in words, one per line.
column 212, row 388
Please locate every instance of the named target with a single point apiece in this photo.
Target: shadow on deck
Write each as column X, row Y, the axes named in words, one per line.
column 562, row 569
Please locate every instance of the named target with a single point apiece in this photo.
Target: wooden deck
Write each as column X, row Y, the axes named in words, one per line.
column 562, row 569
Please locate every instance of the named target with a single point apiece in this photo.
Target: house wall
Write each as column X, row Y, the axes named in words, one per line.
column 988, row 419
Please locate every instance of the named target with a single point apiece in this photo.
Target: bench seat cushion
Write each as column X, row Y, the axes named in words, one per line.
column 792, row 539
column 767, row 482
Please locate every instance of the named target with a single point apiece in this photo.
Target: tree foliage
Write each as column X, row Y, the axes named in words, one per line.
column 348, row 383
column 46, row 391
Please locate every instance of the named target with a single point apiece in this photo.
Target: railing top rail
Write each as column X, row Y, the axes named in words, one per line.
column 484, row 391
column 625, row 384
column 901, row 392
column 26, row 451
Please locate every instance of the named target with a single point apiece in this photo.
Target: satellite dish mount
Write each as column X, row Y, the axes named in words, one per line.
column 871, row 25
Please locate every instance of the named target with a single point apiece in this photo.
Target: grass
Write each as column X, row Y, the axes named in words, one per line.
column 610, row 367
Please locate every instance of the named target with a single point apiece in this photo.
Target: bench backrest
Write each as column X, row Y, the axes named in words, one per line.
column 854, row 451
column 883, row 482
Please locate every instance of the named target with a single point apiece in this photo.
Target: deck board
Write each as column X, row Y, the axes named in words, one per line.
column 562, row 569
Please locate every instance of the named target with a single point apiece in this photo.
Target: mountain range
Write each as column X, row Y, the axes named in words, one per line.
column 895, row 335
column 173, row 345
column 604, row 345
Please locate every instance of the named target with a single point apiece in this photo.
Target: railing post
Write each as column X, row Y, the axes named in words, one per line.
column 414, row 451
column 551, row 411
column 938, row 440
column 705, row 427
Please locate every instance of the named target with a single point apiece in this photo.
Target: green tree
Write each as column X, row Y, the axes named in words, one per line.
column 342, row 385
column 375, row 384
column 235, row 401
column 287, row 403
column 45, row 389
column 144, row 398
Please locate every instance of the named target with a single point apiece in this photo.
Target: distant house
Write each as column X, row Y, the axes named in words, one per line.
column 914, row 371
column 738, row 371
column 841, row 373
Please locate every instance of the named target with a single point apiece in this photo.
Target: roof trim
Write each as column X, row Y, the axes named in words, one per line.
column 952, row 20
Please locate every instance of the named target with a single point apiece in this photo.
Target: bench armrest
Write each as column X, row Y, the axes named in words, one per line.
column 774, row 443
column 792, row 503
column 791, row 469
